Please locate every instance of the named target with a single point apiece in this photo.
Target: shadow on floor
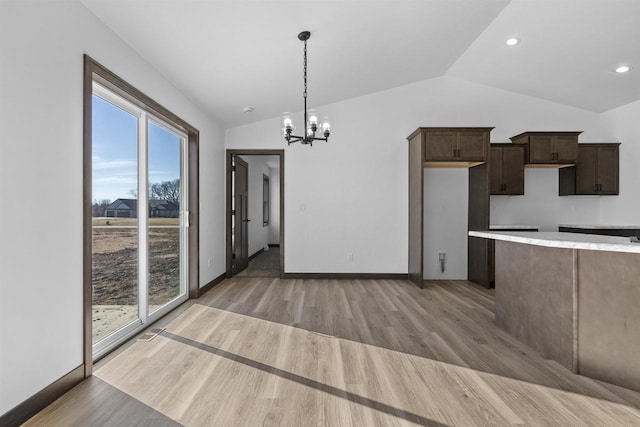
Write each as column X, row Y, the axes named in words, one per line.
column 448, row 321
column 96, row 403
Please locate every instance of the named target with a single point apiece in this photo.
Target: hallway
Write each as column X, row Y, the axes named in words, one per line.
column 266, row 264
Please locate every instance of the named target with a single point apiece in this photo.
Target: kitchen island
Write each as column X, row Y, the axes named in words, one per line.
column 573, row 297
column 603, row 229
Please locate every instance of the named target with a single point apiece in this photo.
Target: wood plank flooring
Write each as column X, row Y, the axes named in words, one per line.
column 272, row 352
column 266, row 264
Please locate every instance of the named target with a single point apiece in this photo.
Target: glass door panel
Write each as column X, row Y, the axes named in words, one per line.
column 139, row 231
column 114, row 220
column 166, row 200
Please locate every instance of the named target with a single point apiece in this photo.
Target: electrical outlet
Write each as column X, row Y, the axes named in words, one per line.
column 350, row 256
column 442, row 257
column 209, row 263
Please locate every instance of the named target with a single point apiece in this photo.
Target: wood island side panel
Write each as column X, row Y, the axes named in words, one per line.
column 609, row 317
column 536, row 297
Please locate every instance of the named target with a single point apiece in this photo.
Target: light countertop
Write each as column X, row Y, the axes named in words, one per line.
column 600, row 226
column 563, row 240
column 511, row 226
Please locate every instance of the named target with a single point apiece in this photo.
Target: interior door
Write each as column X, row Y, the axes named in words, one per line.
column 240, row 219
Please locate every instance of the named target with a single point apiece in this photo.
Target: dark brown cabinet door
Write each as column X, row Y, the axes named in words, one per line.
column 440, row 146
column 513, row 170
column 507, row 169
column 541, row 149
column 565, row 148
column 607, row 173
column 495, row 172
column 472, row 146
column 586, row 180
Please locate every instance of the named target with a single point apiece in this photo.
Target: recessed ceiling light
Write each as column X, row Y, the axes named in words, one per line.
column 623, row 69
column 513, row 41
column 248, row 109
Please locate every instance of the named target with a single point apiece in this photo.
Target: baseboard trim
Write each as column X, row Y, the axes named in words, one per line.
column 274, row 245
column 347, row 276
column 256, row 254
column 36, row 403
column 211, row 284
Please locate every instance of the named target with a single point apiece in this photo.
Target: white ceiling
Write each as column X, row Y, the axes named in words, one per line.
column 225, row 55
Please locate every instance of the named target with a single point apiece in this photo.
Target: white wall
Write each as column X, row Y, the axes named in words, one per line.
column 41, row 73
column 623, row 125
column 446, row 206
column 350, row 194
column 274, row 208
column 541, row 204
column 258, row 234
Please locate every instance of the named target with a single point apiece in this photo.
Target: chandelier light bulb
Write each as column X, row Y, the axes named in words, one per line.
column 287, row 124
column 325, row 127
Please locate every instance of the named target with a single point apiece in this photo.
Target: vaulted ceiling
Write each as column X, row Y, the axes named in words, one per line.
column 225, row 55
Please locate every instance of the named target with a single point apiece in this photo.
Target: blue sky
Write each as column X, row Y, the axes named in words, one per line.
column 115, row 152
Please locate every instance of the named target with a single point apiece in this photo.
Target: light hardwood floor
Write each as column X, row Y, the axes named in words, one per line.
column 271, row 352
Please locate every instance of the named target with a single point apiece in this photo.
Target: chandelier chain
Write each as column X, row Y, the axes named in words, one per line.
column 305, row 69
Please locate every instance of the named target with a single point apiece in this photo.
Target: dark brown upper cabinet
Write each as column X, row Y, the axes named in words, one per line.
column 456, row 144
column 506, row 163
column 549, row 148
column 596, row 172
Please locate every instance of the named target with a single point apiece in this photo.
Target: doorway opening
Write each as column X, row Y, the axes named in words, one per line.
column 255, row 213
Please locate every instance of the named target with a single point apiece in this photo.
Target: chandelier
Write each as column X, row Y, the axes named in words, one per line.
column 312, row 123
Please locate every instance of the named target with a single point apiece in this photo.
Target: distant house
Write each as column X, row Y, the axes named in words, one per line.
column 163, row 209
column 128, row 208
column 122, row 208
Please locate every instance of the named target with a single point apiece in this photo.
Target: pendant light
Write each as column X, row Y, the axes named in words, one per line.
column 312, row 123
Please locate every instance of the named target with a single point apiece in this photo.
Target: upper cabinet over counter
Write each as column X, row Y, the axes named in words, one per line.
column 595, row 173
column 555, row 149
column 507, row 169
column 454, row 147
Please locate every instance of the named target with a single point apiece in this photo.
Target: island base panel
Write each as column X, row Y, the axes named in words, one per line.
column 608, row 317
column 536, row 296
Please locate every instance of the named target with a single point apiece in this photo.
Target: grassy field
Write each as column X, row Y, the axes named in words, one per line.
column 115, row 269
column 128, row 222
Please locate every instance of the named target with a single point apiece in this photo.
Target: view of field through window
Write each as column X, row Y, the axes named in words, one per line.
column 115, row 223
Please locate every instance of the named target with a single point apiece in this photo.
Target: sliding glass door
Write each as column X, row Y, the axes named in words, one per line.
column 139, row 218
